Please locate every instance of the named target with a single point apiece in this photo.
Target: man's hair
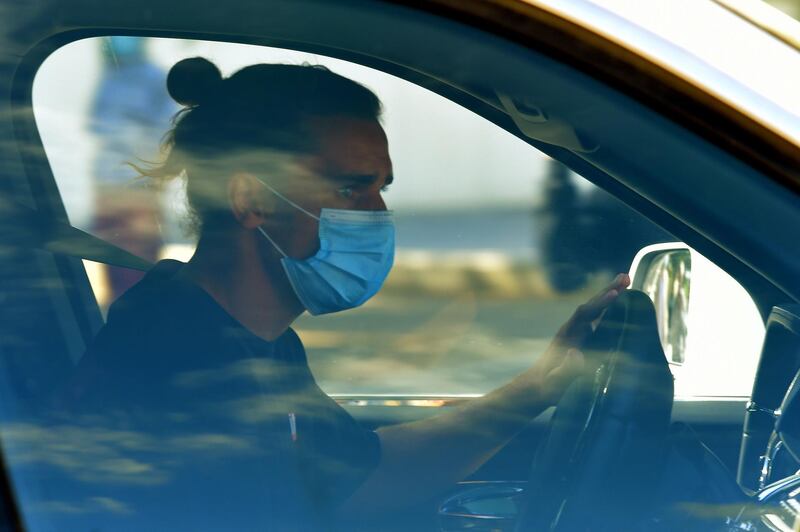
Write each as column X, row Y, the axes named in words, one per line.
column 239, row 122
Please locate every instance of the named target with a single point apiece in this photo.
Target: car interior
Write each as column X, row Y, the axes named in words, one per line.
column 620, row 450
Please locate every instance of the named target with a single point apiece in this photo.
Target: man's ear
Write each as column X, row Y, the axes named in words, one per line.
column 247, row 200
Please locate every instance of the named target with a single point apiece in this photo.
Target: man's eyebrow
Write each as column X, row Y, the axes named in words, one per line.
column 362, row 179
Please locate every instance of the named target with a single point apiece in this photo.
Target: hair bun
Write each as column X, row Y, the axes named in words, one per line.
column 193, row 81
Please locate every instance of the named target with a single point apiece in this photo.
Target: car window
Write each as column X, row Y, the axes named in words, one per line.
column 491, row 258
column 495, row 254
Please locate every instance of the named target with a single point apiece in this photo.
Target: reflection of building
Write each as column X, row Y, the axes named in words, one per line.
column 130, row 113
column 582, row 234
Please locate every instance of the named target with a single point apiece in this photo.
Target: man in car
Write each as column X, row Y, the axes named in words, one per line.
column 284, row 169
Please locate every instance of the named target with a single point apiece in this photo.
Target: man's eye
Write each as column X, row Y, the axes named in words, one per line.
column 385, row 188
column 346, row 192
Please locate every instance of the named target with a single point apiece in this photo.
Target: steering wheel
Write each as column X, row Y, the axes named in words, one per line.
column 607, row 438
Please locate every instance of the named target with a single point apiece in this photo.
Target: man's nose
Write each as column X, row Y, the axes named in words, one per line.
column 373, row 202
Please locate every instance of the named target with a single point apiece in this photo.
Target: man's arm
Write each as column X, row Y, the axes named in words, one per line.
column 424, row 458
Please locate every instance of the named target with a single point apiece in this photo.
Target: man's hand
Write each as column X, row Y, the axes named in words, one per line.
column 563, row 361
column 449, row 447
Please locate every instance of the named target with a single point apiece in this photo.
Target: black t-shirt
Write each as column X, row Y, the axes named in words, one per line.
column 211, row 427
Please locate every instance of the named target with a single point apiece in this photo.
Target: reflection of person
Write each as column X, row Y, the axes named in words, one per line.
column 285, row 166
column 129, row 112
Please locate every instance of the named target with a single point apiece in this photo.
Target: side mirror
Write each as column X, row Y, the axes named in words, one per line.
column 664, row 272
column 710, row 328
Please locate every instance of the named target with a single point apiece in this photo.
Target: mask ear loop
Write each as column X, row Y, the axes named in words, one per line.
column 261, row 230
column 290, row 202
column 287, row 200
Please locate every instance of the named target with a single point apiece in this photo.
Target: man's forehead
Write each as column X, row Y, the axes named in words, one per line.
column 352, row 145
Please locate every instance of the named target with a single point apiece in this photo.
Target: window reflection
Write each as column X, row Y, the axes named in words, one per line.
column 490, row 259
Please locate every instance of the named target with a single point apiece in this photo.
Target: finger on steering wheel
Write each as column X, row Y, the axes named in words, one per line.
column 592, row 309
column 586, row 317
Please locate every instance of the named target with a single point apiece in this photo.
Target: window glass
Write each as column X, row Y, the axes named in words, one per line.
column 496, row 246
column 496, row 243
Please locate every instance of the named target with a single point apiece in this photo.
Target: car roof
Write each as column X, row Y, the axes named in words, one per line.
column 708, row 45
column 753, row 66
column 778, row 23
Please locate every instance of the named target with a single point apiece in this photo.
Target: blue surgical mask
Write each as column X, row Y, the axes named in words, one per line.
column 356, row 252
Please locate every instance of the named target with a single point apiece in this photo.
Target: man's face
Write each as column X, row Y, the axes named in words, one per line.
column 349, row 171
